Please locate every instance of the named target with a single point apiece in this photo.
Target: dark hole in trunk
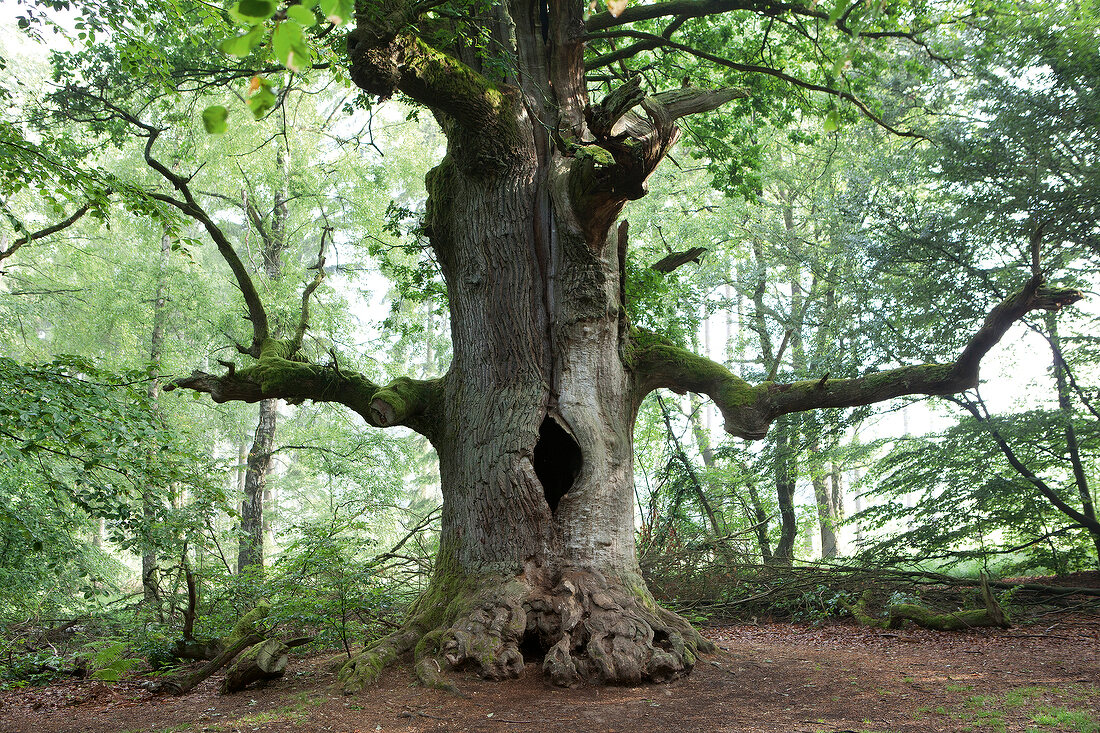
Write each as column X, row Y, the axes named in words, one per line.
column 557, row 461
column 533, row 647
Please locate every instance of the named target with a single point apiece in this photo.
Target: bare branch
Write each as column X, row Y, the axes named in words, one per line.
column 677, row 259
column 687, row 9
column 599, row 187
column 659, row 42
column 303, row 322
column 41, row 233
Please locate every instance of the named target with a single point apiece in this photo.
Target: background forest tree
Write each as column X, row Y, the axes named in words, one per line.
column 834, row 257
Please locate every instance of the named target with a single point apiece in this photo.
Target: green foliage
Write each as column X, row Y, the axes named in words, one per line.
column 108, row 660
column 81, row 445
column 326, row 580
column 19, row 668
column 966, row 503
column 816, row 605
column 214, row 119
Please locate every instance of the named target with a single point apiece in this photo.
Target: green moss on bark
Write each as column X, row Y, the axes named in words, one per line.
column 659, row 360
column 250, row 623
column 957, row 621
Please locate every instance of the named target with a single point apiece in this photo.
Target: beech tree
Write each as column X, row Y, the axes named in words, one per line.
column 551, row 130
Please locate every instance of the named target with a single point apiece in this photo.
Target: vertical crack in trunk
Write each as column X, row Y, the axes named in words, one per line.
column 557, row 461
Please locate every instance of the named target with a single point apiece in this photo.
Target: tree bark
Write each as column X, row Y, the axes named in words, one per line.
column 259, row 466
column 260, row 662
column 1073, row 448
column 251, row 548
column 825, row 518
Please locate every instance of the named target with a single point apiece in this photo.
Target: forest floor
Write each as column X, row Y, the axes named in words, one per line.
column 766, row 677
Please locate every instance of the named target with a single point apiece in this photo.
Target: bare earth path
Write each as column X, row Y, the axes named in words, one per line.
column 779, row 678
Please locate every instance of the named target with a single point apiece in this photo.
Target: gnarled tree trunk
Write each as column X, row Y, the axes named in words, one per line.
column 533, row 421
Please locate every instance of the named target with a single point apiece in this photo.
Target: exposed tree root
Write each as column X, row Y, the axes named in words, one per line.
column 364, row 668
column 584, row 627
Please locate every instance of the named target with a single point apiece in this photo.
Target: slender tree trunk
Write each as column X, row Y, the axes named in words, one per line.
column 689, row 468
column 251, row 550
column 786, row 480
column 149, row 581
column 836, row 494
column 254, row 525
column 784, row 471
column 1073, row 447
column 825, row 518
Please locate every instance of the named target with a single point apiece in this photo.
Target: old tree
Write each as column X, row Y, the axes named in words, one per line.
column 550, row 133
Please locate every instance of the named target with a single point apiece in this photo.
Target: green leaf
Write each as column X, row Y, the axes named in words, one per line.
column 259, row 9
column 290, row 46
column 338, row 12
column 842, row 62
column 832, row 121
column 241, row 46
column 262, row 101
column 214, row 119
column 301, row 14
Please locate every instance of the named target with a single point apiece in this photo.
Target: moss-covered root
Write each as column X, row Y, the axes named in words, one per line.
column 366, row 667
column 860, row 613
column 484, row 634
column 957, row 621
column 609, row 633
column 429, row 672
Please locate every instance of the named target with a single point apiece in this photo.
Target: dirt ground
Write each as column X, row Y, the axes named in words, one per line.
column 781, row 678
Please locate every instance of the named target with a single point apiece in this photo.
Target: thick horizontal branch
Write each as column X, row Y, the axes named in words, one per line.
column 403, row 402
column 749, row 410
column 659, row 363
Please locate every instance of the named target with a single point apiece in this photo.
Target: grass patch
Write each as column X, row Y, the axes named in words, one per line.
column 1078, row 721
column 1041, row 708
column 294, row 713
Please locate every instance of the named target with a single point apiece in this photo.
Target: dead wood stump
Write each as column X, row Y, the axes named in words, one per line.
column 260, row 662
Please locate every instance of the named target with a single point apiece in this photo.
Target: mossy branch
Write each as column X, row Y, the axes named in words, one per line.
column 387, row 57
column 749, row 410
column 274, row 375
column 658, row 363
